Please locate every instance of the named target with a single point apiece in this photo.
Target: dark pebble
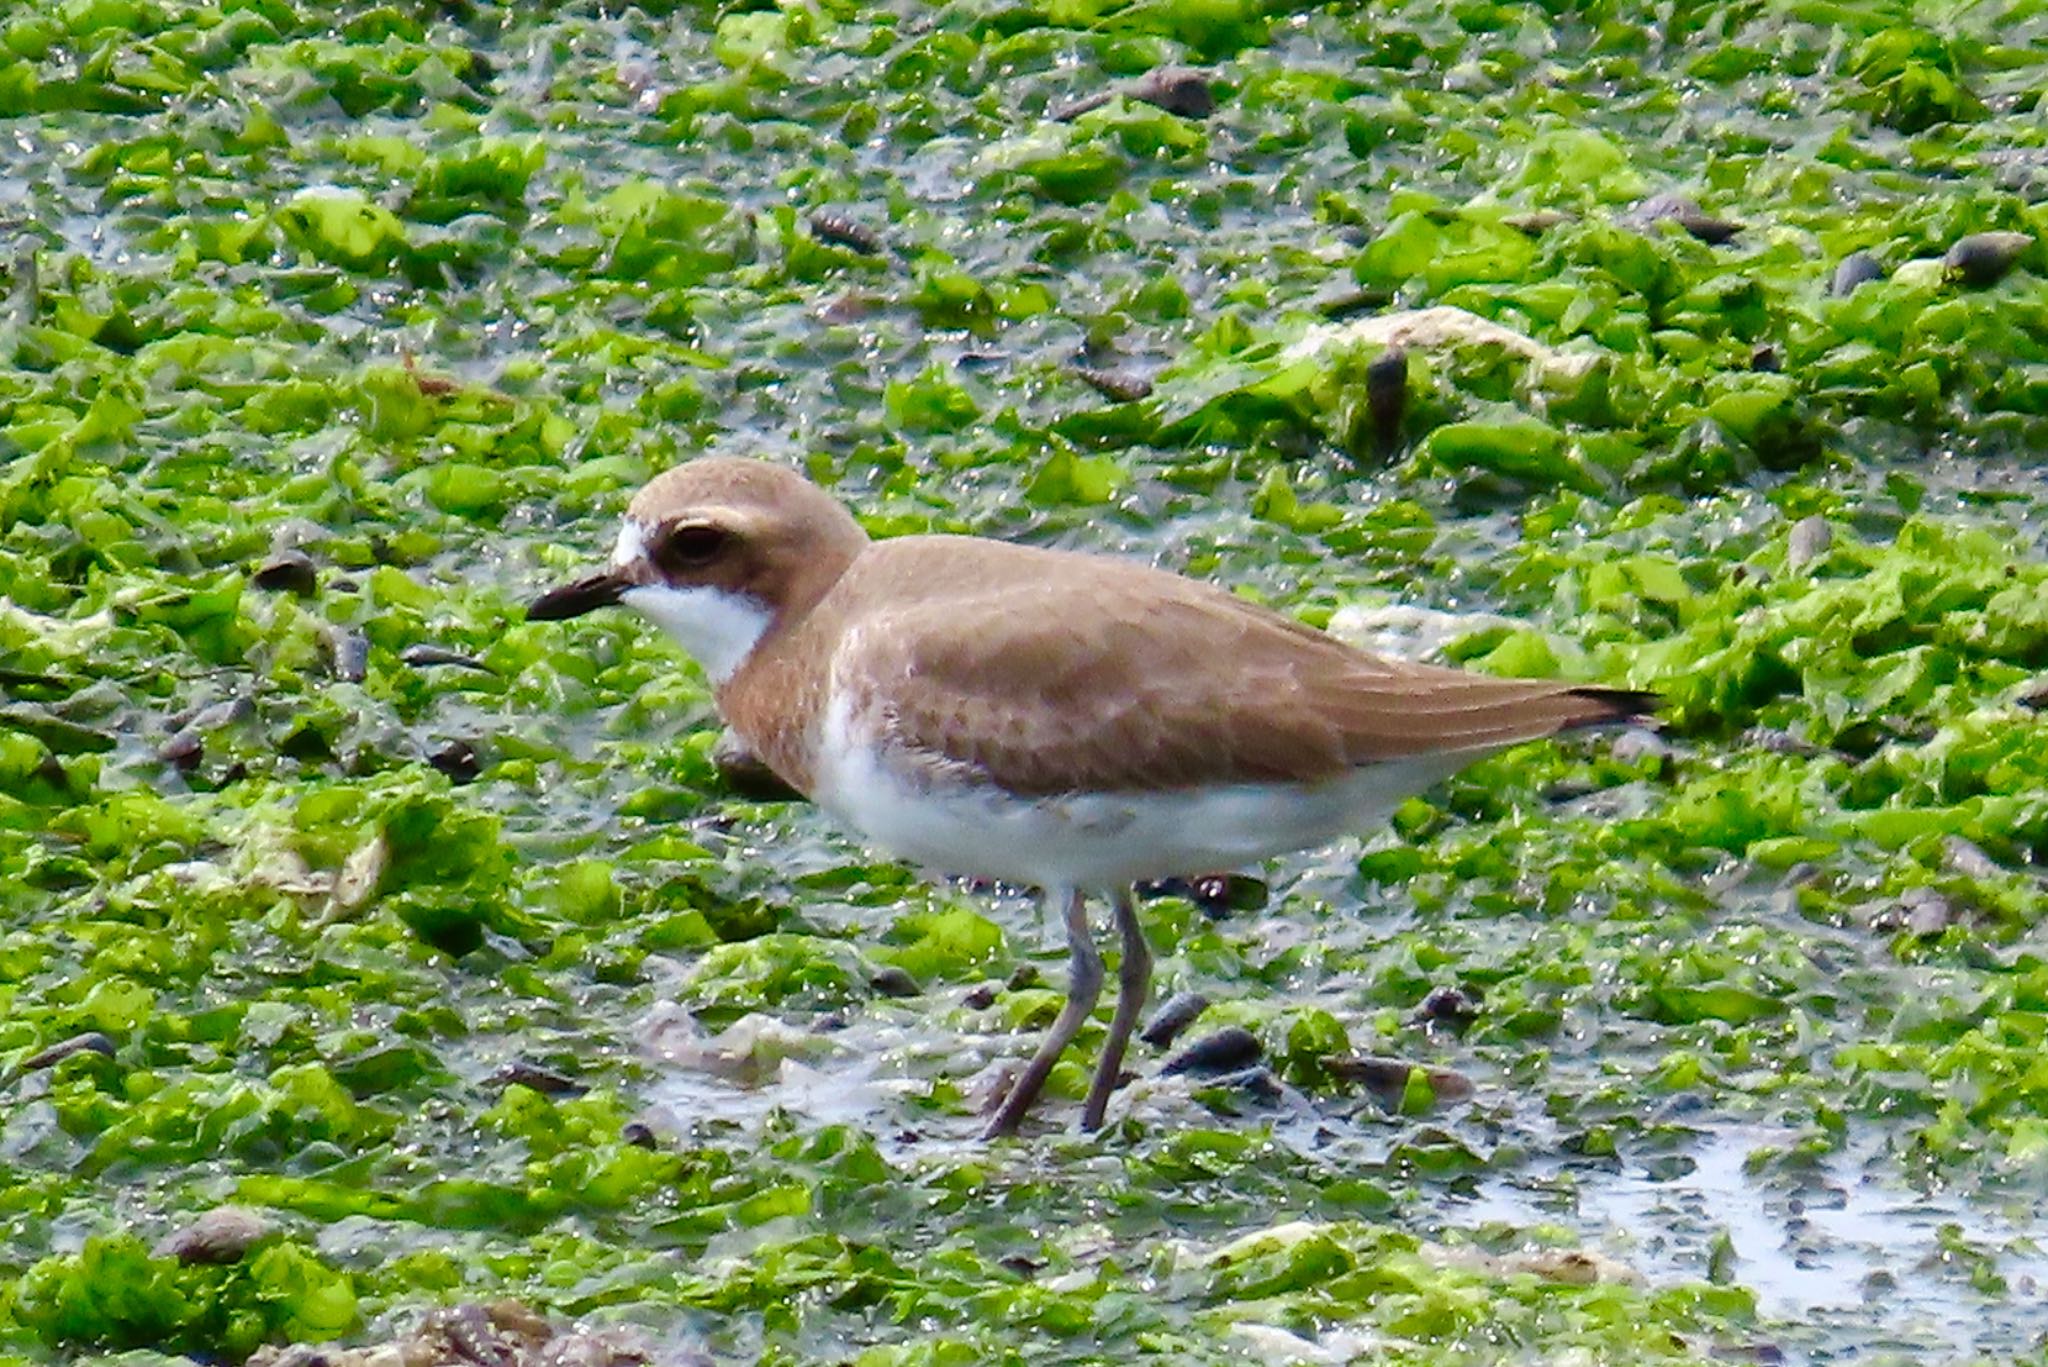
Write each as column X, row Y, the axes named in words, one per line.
column 1230, row 1048
column 1175, row 1014
column 92, row 1042
column 1983, row 259
column 1345, row 302
column 457, row 759
column 893, row 981
column 546, row 1081
column 1217, row 894
column 221, row 1236
column 1919, row 911
column 184, row 749
column 1181, row 90
column 351, row 654
column 1386, row 396
column 1687, row 215
column 1387, row 1078
column 1256, row 1082
column 639, row 1134
column 2034, row 695
column 287, row 572
column 426, row 656
column 1026, row 976
column 1450, row 1004
column 842, row 231
column 1114, row 384
column 1857, row 268
column 981, row 996
column 1764, row 357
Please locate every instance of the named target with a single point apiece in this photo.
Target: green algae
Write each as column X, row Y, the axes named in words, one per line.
column 425, row 292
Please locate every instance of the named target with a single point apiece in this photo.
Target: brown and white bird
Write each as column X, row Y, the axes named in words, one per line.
column 1071, row 722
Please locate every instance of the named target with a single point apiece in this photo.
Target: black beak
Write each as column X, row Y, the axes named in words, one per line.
column 573, row 600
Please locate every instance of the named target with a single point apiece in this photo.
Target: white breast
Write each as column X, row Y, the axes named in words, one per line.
column 715, row 628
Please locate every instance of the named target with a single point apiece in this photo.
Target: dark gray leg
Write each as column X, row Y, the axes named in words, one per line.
column 1084, row 986
column 1134, row 980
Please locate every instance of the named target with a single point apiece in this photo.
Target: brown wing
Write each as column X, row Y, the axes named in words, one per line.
column 1166, row 683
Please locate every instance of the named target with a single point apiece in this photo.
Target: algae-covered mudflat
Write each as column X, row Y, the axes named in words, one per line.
column 431, row 943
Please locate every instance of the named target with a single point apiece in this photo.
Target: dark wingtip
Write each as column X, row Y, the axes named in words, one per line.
column 1618, row 704
column 573, row 600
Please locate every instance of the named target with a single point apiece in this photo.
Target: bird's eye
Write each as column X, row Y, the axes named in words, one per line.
column 693, row 543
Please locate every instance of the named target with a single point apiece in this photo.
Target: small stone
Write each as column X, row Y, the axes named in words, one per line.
column 1114, row 384
column 981, row 996
column 287, row 572
column 1921, row 912
column 1229, row 1049
column 1182, row 90
column 426, row 655
column 1857, row 268
column 184, row 749
column 1687, row 215
column 1256, row 1082
column 2033, row 695
column 546, row 1081
column 1764, row 359
column 1640, row 743
column 890, row 980
column 841, row 231
column 222, row 1235
column 1351, row 299
column 1984, row 259
column 1453, row 1005
column 1778, row 742
column 1967, row 858
column 1387, row 1078
column 1808, row 540
column 92, row 1042
column 1026, row 976
column 1536, row 222
column 1175, row 1014
column 1386, row 395
column 350, row 653
column 639, row 1134
column 457, row 759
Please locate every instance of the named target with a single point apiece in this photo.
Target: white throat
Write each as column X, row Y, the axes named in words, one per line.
column 715, row 628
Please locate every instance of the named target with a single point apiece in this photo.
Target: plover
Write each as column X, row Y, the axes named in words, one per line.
column 1070, row 722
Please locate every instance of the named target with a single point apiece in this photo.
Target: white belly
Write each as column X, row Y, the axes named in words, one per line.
column 1099, row 842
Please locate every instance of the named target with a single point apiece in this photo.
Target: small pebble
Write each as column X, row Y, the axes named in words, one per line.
column 1919, row 911
column 1174, row 1015
column 1026, row 976
column 1778, row 742
column 457, row 759
column 222, row 1235
column 1114, row 384
column 893, row 981
column 1387, row 1078
column 350, row 651
column 287, row 572
column 1386, row 396
column 1984, row 259
column 1687, row 215
column 426, row 655
column 1537, row 222
column 1764, row 359
column 546, row 1081
column 92, row 1042
column 1257, row 1082
column 1857, row 268
column 1349, row 300
column 1452, row 1004
column 841, row 231
column 1182, row 90
column 981, row 996
column 1808, row 540
column 1967, row 858
column 639, row 1134
column 1640, row 743
column 1230, row 1048
column 184, row 749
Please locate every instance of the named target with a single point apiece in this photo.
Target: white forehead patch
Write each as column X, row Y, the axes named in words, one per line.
column 631, row 546
column 718, row 629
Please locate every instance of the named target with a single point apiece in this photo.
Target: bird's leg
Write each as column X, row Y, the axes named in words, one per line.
column 1134, row 979
column 1084, row 985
